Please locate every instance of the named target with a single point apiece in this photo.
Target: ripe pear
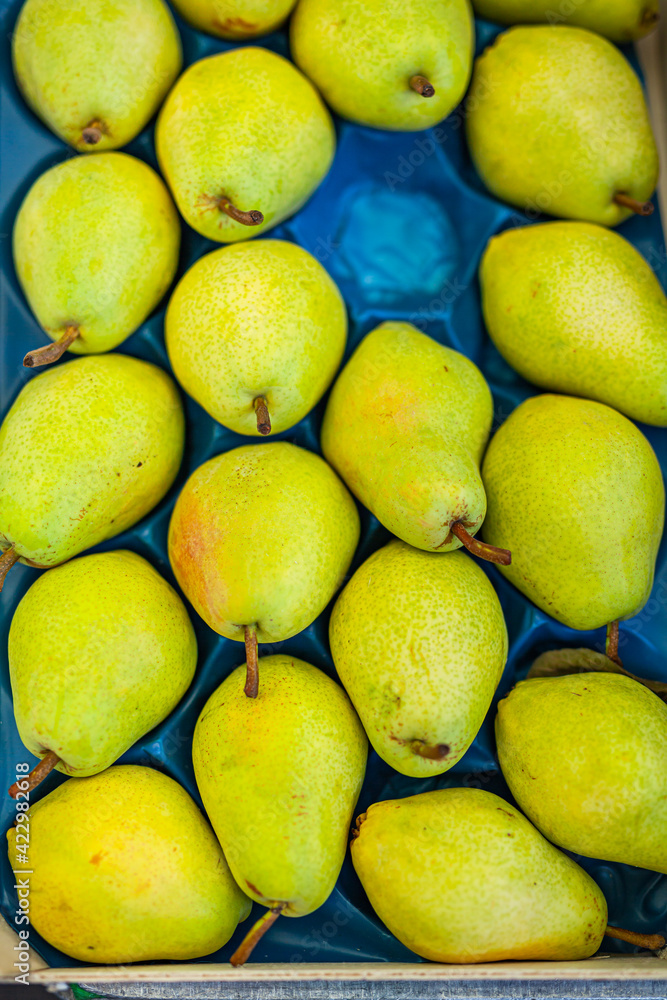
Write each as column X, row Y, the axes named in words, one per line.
column 386, row 63
column 235, row 19
column 575, row 308
column 575, row 490
column 405, row 427
column 124, row 868
column 557, row 123
column 279, row 777
column 619, row 20
column 113, row 655
column 419, row 642
column 260, row 540
column 459, row 875
column 95, row 71
column 255, row 332
column 589, row 773
column 96, row 245
column 86, row 450
column 243, row 140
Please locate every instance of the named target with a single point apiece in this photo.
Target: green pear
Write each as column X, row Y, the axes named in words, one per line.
column 589, row 773
column 419, row 643
column 124, row 868
column 384, row 62
column 260, row 540
column 557, row 123
column 279, row 777
column 620, row 20
column 95, row 247
column 576, row 492
column 95, row 71
column 405, row 427
column 113, row 655
column 255, row 332
column 86, row 450
column 243, row 140
column 460, row 876
column 575, row 308
column 235, row 19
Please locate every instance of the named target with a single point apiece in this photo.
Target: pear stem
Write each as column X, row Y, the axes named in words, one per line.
column 7, row 560
column 489, row 552
column 93, row 132
column 431, row 751
column 253, row 218
column 252, row 670
column 52, row 352
column 611, row 644
column 254, row 935
column 422, row 86
column 638, row 207
column 651, row 942
column 263, row 415
column 38, row 773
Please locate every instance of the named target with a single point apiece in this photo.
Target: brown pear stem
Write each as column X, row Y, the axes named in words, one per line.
column 422, row 86
column 431, row 751
column 611, row 644
column 651, row 942
column 253, row 218
column 52, row 352
column 489, row 552
column 7, row 560
column 38, row 773
column 93, row 132
column 254, row 935
column 263, row 415
column 252, row 670
column 649, row 18
column 638, row 207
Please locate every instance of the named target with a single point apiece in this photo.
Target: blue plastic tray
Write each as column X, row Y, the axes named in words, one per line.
column 400, row 223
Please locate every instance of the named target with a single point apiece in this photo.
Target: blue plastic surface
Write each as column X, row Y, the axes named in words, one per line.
column 400, row 222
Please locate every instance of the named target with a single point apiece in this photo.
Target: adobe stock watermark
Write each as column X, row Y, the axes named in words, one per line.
column 22, row 875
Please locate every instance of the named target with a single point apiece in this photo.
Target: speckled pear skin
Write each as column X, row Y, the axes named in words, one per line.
column 573, row 307
column 279, row 776
column 245, row 106
column 87, row 449
column 574, row 489
column 589, row 773
column 361, row 54
column 113, row 655
column 75, row 65
column 96, row 244
column 619, row 20
column 419, row 642
column 262, row 535
column 235, row 19
column 405, row 426
column 459, row 875
column 256, row 319
column 558, row 123
column 126, row 869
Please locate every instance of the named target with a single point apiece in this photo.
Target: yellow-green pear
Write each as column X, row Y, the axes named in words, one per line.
column 113, row 655
column 589, row 773
column 405, row 427
column 95, row 71
column 419, row 643
column 574, row 489
column 279, row 776
column 124, row 868
column 243, row 140
column 96, row 245
column 255, row 333
column 575, row 308
column 459, row 875
column 86, row 450
column 386, row 63
column 557, row 123
column 235, row 19
column 620, row 20
column 260, row 540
